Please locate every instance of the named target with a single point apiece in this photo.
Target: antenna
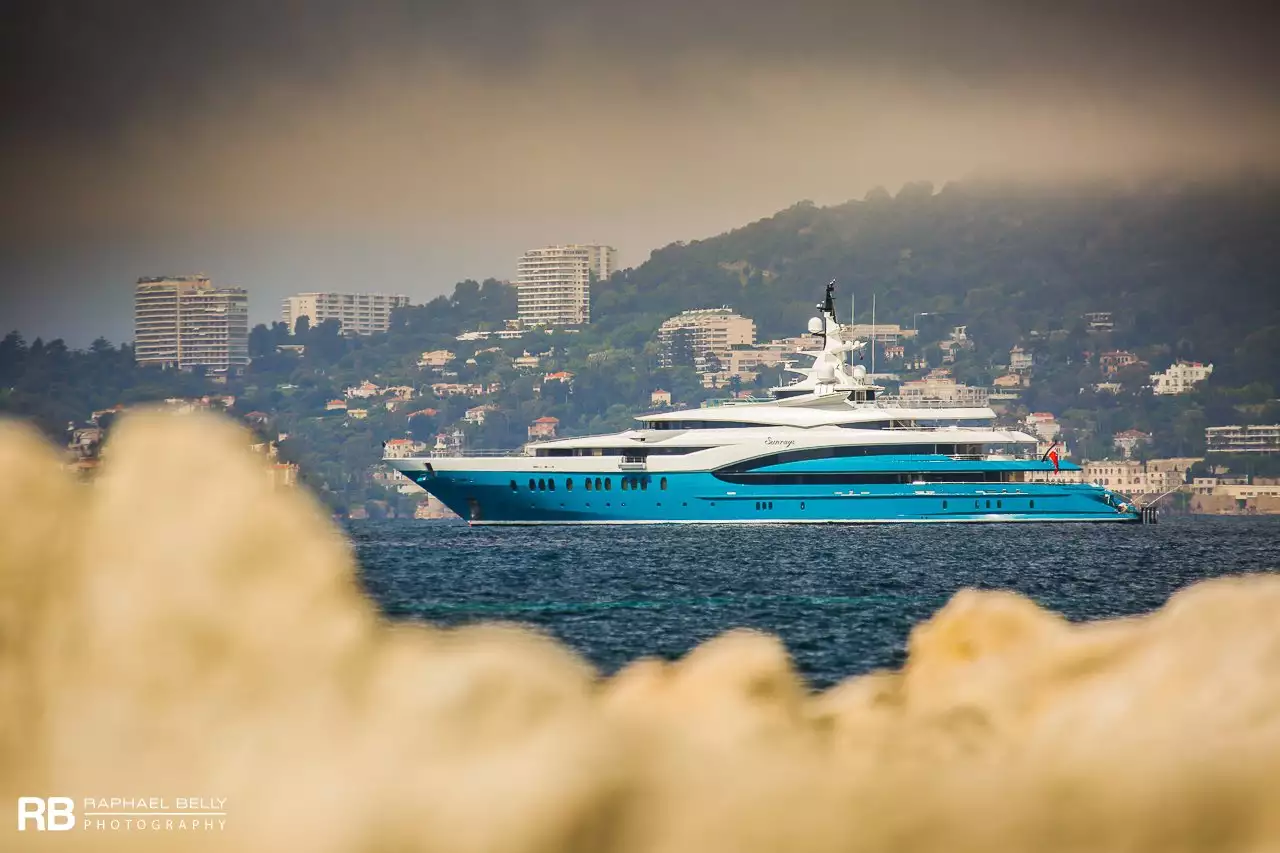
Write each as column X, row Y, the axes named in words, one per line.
column 853, row 319
column 873, row 334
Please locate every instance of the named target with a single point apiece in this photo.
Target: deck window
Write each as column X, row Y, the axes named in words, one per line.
column 644, row 484
column 542, row 485
column 588, row 484
column 568, row 484
column 533, row 485
column 626, row 483
column 551, row 484
column 598, row 484
column 608, row 484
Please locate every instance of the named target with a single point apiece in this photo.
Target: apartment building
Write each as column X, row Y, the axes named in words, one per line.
column 185, row 322
column 1250, row 438
column 554, row 283
column 1130, row 477
column 358, row 313
column 690, row 335
column 940, row 387
column 1180, row 378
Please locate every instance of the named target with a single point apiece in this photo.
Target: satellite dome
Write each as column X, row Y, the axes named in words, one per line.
column 825, row 372
column 815, row 325
column 859, row 371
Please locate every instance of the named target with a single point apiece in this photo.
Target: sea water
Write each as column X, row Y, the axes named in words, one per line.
column 842, row 598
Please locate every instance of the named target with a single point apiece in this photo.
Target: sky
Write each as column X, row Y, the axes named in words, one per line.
column 399, row 147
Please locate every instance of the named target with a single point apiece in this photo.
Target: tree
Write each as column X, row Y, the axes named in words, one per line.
column 261, row 342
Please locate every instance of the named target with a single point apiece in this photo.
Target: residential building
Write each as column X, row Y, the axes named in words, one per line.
column 558, row 376
column 436, row 359
column 398, row 448
column 884, row 333
column 335, row 406
column 477, row 415
column 1099, row 321
column 741, row 362
column 186, row 322
column 554, row 283
column 659, row 398
column 1010, row 380
column 543, row 428
column 458, row 389
column 358, row 313
column 1115, row 361
column 1128, row 440
column 691, row 334
column 1108, row 387
column 894, row 353
column 1250, row 438
column 1021, row 360
column 526, row 361
column 358, row 414
column 1131, row 477
column 401, row 392
column 1044, row 425
column 1180, row 378
column 939, row 387
column 364, row 390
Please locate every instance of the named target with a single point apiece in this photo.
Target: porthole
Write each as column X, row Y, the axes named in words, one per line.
column 944, row 504
column 644, row 484
column 588, row 484
column 757, row 504
column 542, row 485
column 533, row 485
column 988, row 504
column 1033, row 504
column 608, row 484
column 551, row 485
column 598, row 484
column 999, row 504
column 514, row 487
column 770, row 504
column 662, row 484
column 568, row 484
column 802, row 504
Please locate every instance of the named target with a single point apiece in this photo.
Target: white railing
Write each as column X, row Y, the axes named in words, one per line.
column 899, row 403
column 477, row 453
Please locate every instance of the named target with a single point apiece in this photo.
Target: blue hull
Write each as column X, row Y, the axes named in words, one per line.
column 488, row 497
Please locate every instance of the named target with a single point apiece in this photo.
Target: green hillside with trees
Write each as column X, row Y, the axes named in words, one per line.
column 1188, row 271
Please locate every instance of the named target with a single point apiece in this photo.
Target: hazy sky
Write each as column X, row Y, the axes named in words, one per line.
column 400, row 146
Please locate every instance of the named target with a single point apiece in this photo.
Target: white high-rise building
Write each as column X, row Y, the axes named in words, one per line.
column 555, row 283
column 359, row 313
column 185, row 322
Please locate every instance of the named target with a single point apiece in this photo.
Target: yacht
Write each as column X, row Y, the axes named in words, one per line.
column 827, row 448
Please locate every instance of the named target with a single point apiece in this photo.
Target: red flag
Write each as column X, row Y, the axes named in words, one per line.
column 1053, row 455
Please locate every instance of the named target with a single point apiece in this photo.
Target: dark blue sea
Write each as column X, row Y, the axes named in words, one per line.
column 842, row 598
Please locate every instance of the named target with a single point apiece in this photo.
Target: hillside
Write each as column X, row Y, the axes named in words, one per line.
column 1192, row 266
